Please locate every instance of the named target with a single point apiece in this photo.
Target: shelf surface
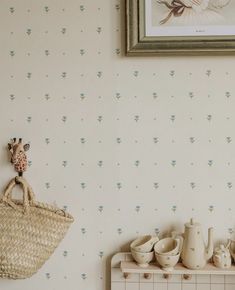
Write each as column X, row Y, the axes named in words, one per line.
column 210, row 269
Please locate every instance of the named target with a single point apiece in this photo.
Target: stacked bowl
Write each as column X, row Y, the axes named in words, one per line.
column 167, row 252
column 142, row 250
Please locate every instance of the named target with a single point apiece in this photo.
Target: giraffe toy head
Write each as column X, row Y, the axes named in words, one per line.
column 18, row 156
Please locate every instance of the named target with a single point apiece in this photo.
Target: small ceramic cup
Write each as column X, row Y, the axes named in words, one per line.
column 168, row 246
column 167, row 262
column 144, row 244
column 142, row 259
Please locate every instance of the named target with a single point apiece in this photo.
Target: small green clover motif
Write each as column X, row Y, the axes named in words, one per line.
column 172, row 73
column 101, row 254
column 174, row 208
column 155, row 140
column 99, row 29
column 193, row 185
column 99, row 74
column 155, row 95
column 172, row 118
column 228, row 139
column 209, row 117
column 63, row 30
column 12, row 97
column 100, row 118
column 156, row 185
column 173, row 163
column 119, row 140
column 83, row 185
column 118, row 51
column 47, row 97
column 100, row 163
column 12, row 10
column 118, row 96
column 47, row 52
column 12, row 53
column 82, row 140
column 119, row 185
column 47, row 185
column 192, row 139
column 47, row 141
column 229, row 185
column 228, row 94
column 29, row 75
column 100, row 208
column 82, row 96
column 117, row 7
column 137, row 208
column 29, row 31
column 136, row 73
column 46, row 9
column 64, row 163
column 210, row 162
column 64, row 75
column 65, row 254
column 48, row 275
column 82, row 8
column 191, row 95
column 208, row 72
column 30, row 163
column 157, row 231
column 211, row 208
column 119, row 231
column 29, row 119
column 82, row 52
column 137, row 163
column 83, row 230
column 84, row 276
column 64, row 119
column 137, row 118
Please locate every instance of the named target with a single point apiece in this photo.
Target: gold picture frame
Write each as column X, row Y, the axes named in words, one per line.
column 138, row 43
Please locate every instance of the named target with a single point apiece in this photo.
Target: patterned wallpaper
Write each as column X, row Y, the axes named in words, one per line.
column 127, row 145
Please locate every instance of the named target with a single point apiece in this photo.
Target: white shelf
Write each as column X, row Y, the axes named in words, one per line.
column 210, row 269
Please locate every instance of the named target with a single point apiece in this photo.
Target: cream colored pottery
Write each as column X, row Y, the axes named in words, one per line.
column 142, row 259
column 167, row 262
column 194, row 253
column 167, row 246
column 144, row 244
column 232, row 248
column 222, row 257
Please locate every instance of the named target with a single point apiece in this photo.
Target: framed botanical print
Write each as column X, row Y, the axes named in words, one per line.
column 180, row 27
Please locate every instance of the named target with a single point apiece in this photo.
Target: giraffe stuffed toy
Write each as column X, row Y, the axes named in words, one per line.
column 18, row 156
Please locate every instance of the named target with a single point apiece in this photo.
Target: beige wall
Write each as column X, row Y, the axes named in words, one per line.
column 67, row 87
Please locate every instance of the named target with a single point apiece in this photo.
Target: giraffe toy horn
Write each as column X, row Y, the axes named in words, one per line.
column 18, row 155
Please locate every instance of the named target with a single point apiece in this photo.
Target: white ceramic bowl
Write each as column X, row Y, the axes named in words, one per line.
column 142, row 259
column 167, row 246
column 144, row 244
column 167, row 262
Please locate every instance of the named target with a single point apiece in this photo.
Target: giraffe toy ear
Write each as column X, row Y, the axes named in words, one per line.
column 26, row 147
column 9, row 146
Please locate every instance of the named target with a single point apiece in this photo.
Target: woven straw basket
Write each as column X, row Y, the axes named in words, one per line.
column 29, row 232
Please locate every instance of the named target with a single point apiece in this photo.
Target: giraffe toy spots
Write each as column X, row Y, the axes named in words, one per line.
column 18, row 156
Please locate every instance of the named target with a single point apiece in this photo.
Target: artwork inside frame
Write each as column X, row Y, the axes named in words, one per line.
column 180, row 27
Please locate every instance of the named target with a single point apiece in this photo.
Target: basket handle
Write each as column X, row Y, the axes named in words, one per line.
column 28, row 195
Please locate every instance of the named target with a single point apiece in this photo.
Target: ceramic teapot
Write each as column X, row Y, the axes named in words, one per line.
column 194, row 253
column 222, row 257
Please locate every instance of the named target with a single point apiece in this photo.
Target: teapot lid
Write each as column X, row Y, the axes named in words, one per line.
column 192, row 223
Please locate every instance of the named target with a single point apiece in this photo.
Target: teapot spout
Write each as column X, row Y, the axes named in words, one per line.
column 210, row 246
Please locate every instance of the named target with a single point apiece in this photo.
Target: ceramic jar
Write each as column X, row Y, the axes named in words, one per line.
column 222, row 257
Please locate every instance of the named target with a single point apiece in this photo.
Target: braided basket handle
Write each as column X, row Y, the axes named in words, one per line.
column 28, row 195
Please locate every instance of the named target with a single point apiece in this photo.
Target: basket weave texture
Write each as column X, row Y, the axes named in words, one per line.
column 30, row 231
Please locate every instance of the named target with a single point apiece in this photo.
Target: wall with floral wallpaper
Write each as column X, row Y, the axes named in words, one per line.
column 127, row 145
